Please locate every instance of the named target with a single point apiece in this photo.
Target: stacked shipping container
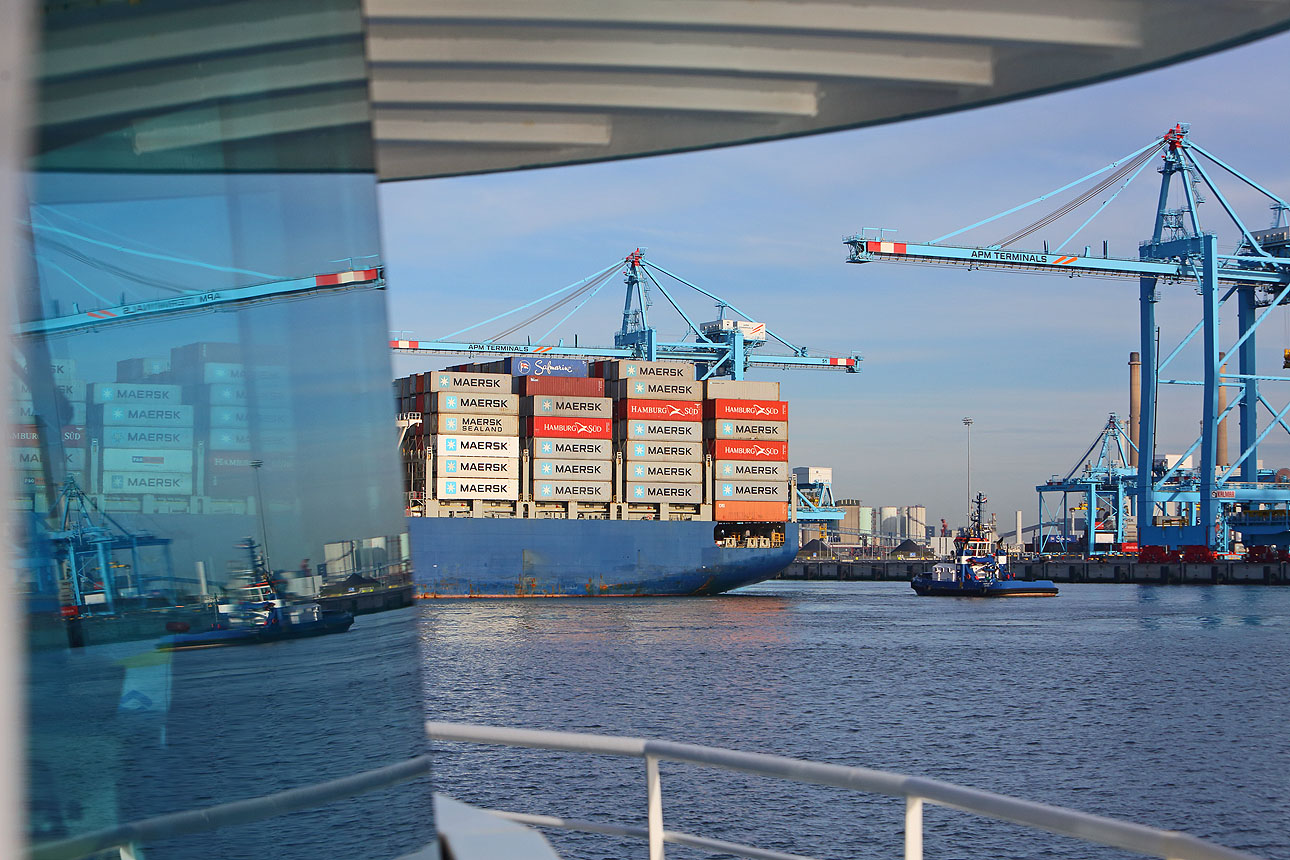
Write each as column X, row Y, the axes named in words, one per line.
column 655, row 415
column 473, row 424
column 746, row 425
column 658, row 412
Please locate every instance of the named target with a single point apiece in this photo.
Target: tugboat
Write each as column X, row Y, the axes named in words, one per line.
column 980, row 568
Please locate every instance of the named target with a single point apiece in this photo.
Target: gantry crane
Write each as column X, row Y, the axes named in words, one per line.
column 1256, row 276
column 721, row 347
column 1102, row 483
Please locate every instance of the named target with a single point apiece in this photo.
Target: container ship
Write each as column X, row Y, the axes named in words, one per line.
column 547, row 477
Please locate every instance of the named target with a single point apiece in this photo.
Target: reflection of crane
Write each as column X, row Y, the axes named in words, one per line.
column 720, row 347
column 1256, row 275
column 86, row 553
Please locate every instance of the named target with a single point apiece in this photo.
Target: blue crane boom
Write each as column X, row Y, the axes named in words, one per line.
column 720, row 348
column 1256, row 277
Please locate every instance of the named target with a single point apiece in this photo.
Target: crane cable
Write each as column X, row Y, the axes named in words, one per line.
column 1127, row 168
column 590, row 285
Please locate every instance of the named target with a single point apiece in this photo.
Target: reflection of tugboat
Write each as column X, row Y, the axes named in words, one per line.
column 258, row 613
column 980, row 568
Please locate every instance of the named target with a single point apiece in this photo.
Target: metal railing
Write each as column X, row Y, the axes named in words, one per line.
column 916, row 791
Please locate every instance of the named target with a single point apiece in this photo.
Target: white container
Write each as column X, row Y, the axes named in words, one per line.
column 572, row 491
column 751, row 470
column 573, row 470
column 571, row 449
column 141, row 415
column 125, row 392
column 476, row 446
column 491, row 468
column 474, row 403
column 448, row 489
column 740, row 389
column 148, row 437
column 24, row 412
column 231, row 439
column 658, row 389
column 471, row 424
column 630, row 368
column 558, row 406
column 688, row 494
column 154, row 483
column 665, row 471
column 753, row 331
column 480, row 383
column 144, row 460
column 31, row 459
column 659, row 431
column 644, row 449
column 737, row 428
column 748, row 491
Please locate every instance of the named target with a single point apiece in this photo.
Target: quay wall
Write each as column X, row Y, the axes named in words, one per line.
column 1059, row 570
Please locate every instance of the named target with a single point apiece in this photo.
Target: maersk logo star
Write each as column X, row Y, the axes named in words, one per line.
column 640, row 492
column 639, row 387
column 546, row 489
column 450, row 466
column 727, row 427
column 118, row 413
column 727, row 489
column 450, row 403
column 638, row 450
column 546, row 468
column 640, row 470
column 107, row 393
column 546, row 447
column 640, row 428
column 444, row 380
column 450, row 444
column 450, row 487
column 450, row 423
column 548, row 405
column 631, row 370
column 727, row 469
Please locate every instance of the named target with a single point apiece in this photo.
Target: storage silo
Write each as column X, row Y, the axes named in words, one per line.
column 889, row 521
column 916, row 523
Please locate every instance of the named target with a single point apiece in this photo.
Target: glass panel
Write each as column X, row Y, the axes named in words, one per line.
column 215, row 557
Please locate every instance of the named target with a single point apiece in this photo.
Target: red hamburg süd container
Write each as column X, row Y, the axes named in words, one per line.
column 756, row 410
column 568, row 428
column 568, row 386
column 742, row 449
column 659, row 410
column 750, row 512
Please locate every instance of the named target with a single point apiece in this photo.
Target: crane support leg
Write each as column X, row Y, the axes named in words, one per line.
column 1246, row 361
column 1209, row 426
column 1147, row 417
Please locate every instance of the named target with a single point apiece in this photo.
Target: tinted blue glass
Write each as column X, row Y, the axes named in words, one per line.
column 199, row 467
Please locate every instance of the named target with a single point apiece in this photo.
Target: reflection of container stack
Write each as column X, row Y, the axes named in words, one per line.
column 25, row 432
column 144, row 436
column 658, row 414
column 566, row 427
column 473, row 421
column 746, row 425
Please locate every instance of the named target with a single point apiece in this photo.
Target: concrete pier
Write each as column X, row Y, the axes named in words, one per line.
column 1059, row 570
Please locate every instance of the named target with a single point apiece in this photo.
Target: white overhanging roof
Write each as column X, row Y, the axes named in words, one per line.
column 472, row 86
column 467, row 86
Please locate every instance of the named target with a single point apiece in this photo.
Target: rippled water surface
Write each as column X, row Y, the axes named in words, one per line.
column 1168, row 706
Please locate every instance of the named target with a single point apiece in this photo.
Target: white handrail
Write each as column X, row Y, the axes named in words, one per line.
column 916, row 791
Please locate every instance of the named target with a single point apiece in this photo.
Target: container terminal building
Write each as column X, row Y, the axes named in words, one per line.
column 198, row 308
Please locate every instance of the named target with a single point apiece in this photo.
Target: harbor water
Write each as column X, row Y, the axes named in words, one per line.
column 1167, row 706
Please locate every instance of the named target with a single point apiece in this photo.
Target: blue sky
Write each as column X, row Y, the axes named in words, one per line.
column 1037, row 362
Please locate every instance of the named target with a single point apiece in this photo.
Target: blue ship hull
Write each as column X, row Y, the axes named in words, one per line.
column 468, row 557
